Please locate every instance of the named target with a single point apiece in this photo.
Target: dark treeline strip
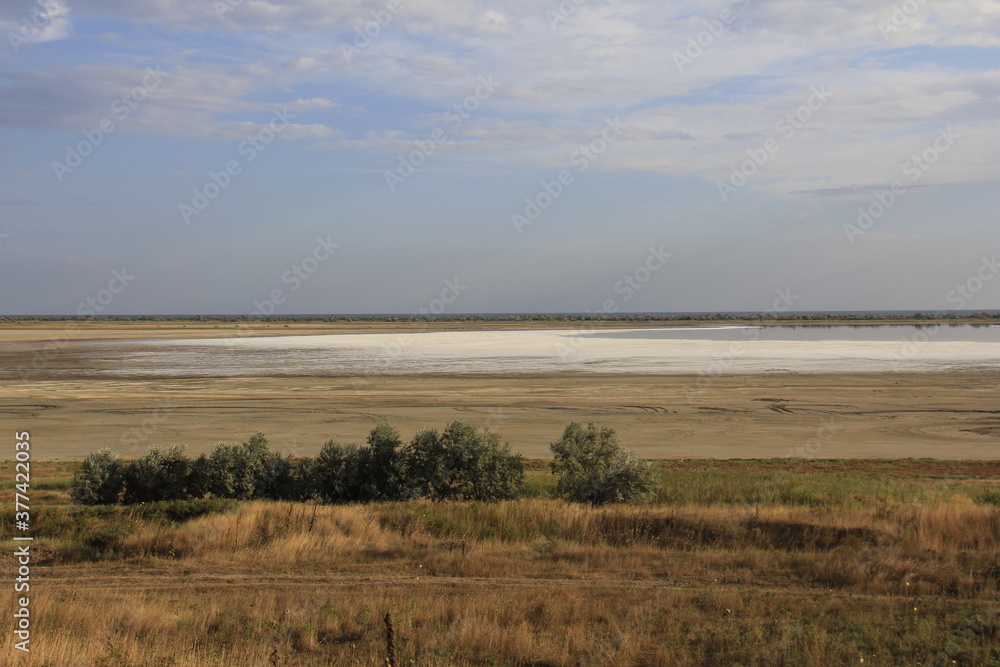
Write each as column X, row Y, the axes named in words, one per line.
column 463, row 462
column 919, row 317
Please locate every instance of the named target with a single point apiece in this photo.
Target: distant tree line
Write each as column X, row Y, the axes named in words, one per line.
column 538, row 317
column 463, row 462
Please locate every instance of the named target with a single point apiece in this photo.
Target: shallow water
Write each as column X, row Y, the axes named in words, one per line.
column 675, row 350
column 963, row 333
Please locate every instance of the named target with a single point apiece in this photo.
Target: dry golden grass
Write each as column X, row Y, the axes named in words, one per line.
column 531, row 582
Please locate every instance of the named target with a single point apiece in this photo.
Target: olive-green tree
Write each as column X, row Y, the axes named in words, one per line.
column 463, row 462
column 100, row 480
column 159, row 474
column 348, row 473
column 594, row 468
column 331, row 477
column 381, row 466
column 244, row 472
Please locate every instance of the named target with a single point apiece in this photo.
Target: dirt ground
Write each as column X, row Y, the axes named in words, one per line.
column 946, row 416
column 58, row 332
column 844, row 416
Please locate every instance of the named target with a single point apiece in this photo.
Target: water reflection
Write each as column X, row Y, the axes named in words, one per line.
column 970, row 333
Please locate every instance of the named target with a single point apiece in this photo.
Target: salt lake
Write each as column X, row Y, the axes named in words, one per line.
column 696, row 350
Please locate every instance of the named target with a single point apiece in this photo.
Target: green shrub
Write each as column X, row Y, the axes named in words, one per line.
column 332, row 476
column 463, row 462
column 200, row 481
column 594, row 468
column 991, row 497
column 159, row 474
column 304, row 480
column 222, row 475
column 431, row 468
column 381, row 466
column 270, row 473
column 243, row 472
column 348, row 473
column 100, row 480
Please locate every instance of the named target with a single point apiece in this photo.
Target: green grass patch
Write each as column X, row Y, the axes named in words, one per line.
column 991, row 497
column 823, row 483
column 95, row 532
column 737, row 482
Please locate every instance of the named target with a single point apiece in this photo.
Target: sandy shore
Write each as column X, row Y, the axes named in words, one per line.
column 947, row 416
column 98, row 330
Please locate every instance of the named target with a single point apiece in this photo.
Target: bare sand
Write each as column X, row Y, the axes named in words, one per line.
column 56, row 331
column 946, row 416
column 935, row 415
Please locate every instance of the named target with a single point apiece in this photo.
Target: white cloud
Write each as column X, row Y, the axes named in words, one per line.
column 302, row 63
column 492, row 21
column 561, row 78
column 24, row 23
column 183, row 102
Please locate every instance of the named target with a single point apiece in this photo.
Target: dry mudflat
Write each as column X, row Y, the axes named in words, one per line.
column 941, row 415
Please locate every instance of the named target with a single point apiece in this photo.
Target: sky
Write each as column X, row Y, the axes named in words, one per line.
column 492, row 156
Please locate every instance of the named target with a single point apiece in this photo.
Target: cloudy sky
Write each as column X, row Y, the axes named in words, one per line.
column 311, row 156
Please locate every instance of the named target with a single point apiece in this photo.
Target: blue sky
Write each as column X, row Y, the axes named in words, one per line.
column 843, row 152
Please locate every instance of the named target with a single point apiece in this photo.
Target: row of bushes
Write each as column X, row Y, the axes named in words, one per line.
column 463, row 463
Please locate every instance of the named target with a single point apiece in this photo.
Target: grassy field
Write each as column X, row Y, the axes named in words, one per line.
column 752, row 562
